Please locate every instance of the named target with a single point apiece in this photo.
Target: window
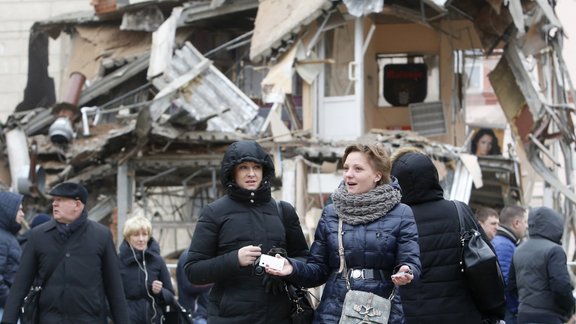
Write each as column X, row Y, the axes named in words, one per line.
column 414, row 64
column 474, row 72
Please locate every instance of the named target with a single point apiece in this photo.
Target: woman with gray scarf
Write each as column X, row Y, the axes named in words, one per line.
column 379, row 237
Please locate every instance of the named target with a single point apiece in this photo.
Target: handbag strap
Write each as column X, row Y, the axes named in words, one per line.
column 459, row 211
column 72, row 238
column 280, row 211
column 343, row 269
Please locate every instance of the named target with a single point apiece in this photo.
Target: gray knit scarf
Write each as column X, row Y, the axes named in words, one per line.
column 367, row 207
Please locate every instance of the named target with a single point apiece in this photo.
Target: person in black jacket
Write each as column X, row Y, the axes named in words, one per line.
column 11, row 215
column 441, row 295
column 145, row 277
column 539, row 275
column 192, row 297
column 234, row 231
column 85, row 283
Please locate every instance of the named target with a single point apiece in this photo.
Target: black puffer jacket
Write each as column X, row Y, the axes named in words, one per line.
column 441, row 295
column 239, row 219
column 9, row 247
column 138, row 270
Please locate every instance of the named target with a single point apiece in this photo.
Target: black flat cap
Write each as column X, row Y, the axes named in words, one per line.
column 70, row 190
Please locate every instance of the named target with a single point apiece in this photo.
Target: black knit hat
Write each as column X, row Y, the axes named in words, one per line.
column 70, row 190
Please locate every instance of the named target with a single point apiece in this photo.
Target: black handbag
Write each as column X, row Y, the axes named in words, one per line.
column 302, row 311
column 480, row 268
column 176, row 314
column 29, row 309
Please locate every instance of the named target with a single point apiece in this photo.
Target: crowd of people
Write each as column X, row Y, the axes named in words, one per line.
column 387, row 228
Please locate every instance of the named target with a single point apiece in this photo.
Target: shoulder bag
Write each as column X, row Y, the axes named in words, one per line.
column 302, row 310
column 29, row 311
column 176, row 314
column 480, row 268
column 361, row 306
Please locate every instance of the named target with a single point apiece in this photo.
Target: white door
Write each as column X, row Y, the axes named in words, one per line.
column 339, row 114
column 337, row 118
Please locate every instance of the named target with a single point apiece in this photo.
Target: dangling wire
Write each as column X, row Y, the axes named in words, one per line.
column 143, row 268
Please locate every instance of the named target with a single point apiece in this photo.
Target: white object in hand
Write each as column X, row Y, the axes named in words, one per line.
column 271, row 262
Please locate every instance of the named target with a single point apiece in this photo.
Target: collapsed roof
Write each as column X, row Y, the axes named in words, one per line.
column 153, row 95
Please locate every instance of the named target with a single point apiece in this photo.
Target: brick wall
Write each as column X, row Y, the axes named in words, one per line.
column 16, row 18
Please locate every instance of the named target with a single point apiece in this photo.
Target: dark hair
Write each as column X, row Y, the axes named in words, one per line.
column 483, row 213
column 481, row 132
column 509, row 213
column 378, row 157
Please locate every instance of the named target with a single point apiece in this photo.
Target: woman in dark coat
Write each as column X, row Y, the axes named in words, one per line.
column 379, row 237
column 441, row 295
column 146, row 280
column 234, row 231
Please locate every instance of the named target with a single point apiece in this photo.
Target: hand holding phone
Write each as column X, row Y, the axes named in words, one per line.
column 271, row 262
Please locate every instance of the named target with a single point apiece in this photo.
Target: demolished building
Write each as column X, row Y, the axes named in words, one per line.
column 158, row 89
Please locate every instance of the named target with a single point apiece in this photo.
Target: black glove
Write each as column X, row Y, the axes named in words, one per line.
column 276, row 250
column 273, row 285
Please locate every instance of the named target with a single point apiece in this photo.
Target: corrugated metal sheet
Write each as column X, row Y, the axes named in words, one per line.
column 192, row 84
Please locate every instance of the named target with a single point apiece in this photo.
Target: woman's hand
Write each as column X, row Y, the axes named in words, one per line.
column 248, row 254
column 156, row 287
column 286, row 269
column 403, row 277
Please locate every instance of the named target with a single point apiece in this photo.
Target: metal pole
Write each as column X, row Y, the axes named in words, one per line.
column 359, row 73
column 122, row 190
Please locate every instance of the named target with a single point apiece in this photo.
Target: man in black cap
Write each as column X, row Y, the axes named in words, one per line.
column 85, row 285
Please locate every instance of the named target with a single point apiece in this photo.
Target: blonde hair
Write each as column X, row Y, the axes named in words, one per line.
column 136, row 224
column 377, row 156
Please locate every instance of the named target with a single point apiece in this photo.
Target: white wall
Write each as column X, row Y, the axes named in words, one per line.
column 565, row 10
column 16, row 18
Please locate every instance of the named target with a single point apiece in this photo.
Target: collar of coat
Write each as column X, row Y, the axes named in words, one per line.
column 506, row 232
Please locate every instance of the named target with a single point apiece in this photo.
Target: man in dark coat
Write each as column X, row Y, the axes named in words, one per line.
column 441, row 294
column 539, row 275
column 11, row 215
column 85, row 283
column 512, row 228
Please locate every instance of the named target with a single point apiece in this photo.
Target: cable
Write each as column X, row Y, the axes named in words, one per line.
column 143, row 268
